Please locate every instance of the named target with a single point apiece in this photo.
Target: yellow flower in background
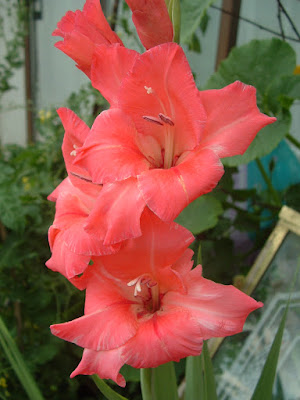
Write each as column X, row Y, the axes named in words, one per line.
column 297, row 70
column 3, row 382
column 44, row 115
column 26, row 183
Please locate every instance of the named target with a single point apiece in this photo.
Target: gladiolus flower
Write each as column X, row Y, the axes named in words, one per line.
column 161, row 143
column 145, row 306
column 152, row 21
column 72, row 247
column 82, row 31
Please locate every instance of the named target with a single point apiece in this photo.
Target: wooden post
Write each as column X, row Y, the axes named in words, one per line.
column 228, row 28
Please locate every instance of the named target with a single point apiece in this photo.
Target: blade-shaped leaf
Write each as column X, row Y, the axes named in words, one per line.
column 263, row 390
column 159, row 383
column 18, row 364
column 209, row 378
column 194, row 388
column 108, row 392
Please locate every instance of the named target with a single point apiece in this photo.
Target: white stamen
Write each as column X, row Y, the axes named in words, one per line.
column 148, row 89
column 133, row 282
column 139, row 281
column 75, row 147
column 73, row 153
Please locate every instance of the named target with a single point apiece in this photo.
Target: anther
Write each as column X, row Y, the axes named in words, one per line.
column 152, row 119
column 139, row 281
column 84, row 178
column 148, row 89
column 73, row 152
column 166, row 119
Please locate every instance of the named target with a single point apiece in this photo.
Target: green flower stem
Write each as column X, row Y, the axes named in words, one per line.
column 175, row 16
column 268, row 182
column 293, row 140
column 146, row 374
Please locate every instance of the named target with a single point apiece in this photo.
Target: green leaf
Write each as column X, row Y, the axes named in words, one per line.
column 130, row 373
column 263, row 390
column 159, row 383
column 265, row 141
column 192, row 12
column 282, row 88
column 194, row 388
column 201, row 214
column 292, row 197
column 209, row 378
column 194, row 44
column 268, row 65
column 18, row 364
column 200, row 380
column 108, row 392
column 257, row 63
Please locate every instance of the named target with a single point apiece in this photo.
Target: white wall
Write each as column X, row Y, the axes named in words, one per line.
column 57, row 75
column 12, row 104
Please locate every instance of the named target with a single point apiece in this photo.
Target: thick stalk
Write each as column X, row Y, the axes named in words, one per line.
column 146, row 375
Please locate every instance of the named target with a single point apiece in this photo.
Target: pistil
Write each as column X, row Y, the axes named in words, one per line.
column 169, row 148
column 151, row 299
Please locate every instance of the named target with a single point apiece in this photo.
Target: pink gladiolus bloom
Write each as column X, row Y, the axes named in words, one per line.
column 145, row 306
column 72, row 247
column 152, row 21
column 82, row 31
column 160, row 144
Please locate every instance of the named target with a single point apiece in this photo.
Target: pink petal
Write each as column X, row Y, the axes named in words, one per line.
column 71, row 215
column 110, row 153
column 184, row 264
column 109, row 67
column 233, row 119
column 219, row 310
column 73, row 247
column 63, row 260
column 162, row 81
column 103, row 290
column 78, row 47
column 117, row 212
column 93, row 12
column 168, row 191
column 160, row 245
column 103, row 330
column 106, row 364
column 82, row 31
column 152, row 21
column 62, row 187
column 164, row 337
